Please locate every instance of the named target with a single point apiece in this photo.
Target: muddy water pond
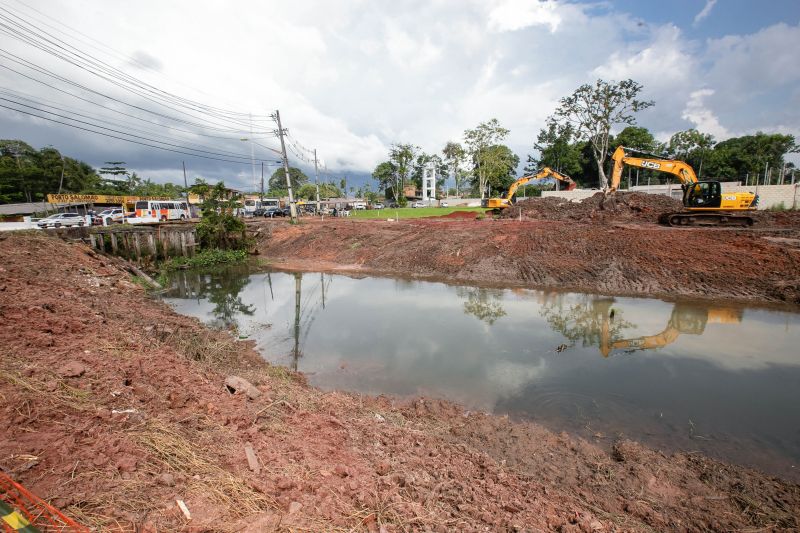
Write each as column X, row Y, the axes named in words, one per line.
column 684, row 376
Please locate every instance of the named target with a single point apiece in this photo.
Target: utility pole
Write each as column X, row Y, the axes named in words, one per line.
column 63, row 165
column 292, row 207
column 316, row 177
column 262, row 184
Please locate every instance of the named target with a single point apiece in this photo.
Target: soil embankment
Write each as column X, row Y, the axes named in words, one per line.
column 116, row 407
column 613, row 249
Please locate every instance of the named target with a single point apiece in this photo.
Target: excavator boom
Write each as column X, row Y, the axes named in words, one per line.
column 704, row 201
column 545, row 174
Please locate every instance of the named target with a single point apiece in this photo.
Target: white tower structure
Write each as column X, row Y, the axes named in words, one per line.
column 429, row 183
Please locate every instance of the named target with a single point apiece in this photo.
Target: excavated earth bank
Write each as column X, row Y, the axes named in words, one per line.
column 613, row 249
column 115, row 407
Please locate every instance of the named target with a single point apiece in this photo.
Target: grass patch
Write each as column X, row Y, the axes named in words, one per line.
column 410, row 212
column 206, row 258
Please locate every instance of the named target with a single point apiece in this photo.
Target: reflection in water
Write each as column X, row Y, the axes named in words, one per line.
column 589, row 319
column 484, row 304
column 220, row 287
column 686, row 318
column 720, row 380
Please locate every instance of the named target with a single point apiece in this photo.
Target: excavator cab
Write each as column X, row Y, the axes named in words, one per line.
column 702, row 195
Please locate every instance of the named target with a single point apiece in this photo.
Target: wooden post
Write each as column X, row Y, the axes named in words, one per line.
column 183, row 244
column 113, row 242
column 137, row 245
column 92, row 240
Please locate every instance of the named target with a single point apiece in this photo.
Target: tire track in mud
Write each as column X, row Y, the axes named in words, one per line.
column 637, row 260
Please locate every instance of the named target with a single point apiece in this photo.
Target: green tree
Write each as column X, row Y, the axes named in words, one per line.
column 592, row 110
column 219, row 228
column 385, row 174
column 28, row 175
column 691, row 146
column 556, row 150
column 499, row 167
column 486, row 134
column 278, row 179
column 454, row 158
column 750, row 155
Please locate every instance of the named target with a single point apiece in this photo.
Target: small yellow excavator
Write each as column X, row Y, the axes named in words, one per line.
column 543, row 175
column 687, row 319
column 704, row 201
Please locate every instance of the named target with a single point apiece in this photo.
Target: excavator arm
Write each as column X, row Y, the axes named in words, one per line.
column 679, row 169
column 544, row 174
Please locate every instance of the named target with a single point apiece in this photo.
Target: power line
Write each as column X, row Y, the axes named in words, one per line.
column 122, row 138
column 13, row 94
column 35, row 36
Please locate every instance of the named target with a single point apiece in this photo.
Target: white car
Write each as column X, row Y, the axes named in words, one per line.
column 109, row 216
column 377, row 206
column 62, row 220
column 444, row 204
column 417, row 204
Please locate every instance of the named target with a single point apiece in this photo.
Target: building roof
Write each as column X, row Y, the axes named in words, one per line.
column 28, row 208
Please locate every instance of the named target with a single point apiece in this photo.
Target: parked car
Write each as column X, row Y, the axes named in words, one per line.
column 108, row 216
column 62, row 219
column 272, row 212
column 444, row 204
column 393, row 205
column 417, row 204
column 377, row 206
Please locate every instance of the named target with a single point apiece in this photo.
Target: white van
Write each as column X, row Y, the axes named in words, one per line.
column 160, row 211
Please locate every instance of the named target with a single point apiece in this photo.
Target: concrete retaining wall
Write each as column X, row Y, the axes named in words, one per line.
column 768, row 195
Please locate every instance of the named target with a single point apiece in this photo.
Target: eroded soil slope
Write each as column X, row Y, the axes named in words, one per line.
column 115, row 407
column 760, row 265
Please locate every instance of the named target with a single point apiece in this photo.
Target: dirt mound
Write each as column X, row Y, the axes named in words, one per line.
column 623, row 206
column 639, row 259
column 460, row 215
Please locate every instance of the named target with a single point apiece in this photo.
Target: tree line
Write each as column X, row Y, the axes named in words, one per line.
column 29, row 175
column 577, row 141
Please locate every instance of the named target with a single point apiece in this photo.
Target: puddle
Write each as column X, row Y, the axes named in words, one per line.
column 677, row 376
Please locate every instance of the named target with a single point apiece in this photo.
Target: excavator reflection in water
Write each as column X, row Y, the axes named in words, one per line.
column 686, row 319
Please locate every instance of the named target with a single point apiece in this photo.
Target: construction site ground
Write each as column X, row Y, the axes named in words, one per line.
column 616, row 248
column 116, row 408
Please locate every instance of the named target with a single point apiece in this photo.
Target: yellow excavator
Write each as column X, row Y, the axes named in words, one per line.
column 687, row 319
column 704, row 201
column 545, row 174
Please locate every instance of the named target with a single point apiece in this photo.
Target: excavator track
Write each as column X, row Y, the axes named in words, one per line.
column 706, row 219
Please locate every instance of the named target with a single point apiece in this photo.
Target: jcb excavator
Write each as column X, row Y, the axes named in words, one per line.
column 545, row 174
column 686, row 319
column 704, row 201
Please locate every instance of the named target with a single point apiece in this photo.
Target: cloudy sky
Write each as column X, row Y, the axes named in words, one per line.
column 351, row 77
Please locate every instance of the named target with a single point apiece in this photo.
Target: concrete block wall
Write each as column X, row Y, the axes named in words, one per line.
column 768, row 195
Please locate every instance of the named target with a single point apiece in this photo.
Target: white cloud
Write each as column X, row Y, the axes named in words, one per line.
column 705, row 11
column 511, row 15
column 351, row 78
column 703, row 118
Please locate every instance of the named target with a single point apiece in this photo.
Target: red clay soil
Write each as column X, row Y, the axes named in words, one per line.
column 115, row 408
column 759, row 265
column 461, row 215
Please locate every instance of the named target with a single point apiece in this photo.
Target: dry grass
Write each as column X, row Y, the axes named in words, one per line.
column 205, row 346
column 183, row 454
column 63, row 394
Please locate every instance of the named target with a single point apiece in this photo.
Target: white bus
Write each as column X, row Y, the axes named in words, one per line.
column 160, row 211
column 252, row 204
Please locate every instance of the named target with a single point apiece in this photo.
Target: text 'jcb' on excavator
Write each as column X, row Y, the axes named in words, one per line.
column 545, row 174
column 704, row 201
